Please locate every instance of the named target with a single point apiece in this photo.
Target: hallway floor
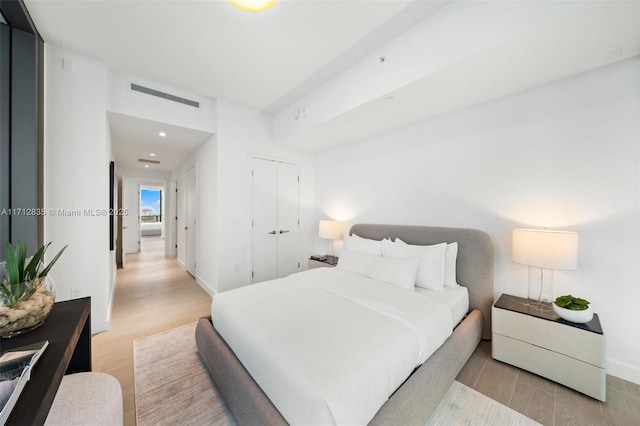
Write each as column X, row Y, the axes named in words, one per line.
column 152, row 294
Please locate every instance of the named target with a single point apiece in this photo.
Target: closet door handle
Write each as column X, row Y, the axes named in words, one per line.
column 283, row 232
column 272, row 232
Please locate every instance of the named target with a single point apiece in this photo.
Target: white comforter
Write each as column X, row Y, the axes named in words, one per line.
column 328, row 346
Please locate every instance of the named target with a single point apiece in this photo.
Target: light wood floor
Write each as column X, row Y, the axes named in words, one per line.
column 545, row 401
column 152, row 294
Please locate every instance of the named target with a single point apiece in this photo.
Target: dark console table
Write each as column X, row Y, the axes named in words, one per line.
column 68, row 330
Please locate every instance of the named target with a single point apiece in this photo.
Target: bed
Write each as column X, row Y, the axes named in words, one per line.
column 415, row 399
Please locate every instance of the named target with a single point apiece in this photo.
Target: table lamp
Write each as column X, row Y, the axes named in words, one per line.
column 330, row 230
column 544, row 249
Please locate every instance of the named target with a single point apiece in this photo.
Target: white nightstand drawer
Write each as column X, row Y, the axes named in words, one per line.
column 570, row 341
column 578, row 375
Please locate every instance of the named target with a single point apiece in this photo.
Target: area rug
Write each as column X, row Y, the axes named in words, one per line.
column 172, row 386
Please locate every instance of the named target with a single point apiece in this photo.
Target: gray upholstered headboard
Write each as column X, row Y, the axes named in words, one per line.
column 474, row 268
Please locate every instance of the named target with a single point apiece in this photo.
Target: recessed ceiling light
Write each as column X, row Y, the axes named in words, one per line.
column 254, row 6
column 151, row 154
column 146, row 166
column 389, row 98
column 162, row 134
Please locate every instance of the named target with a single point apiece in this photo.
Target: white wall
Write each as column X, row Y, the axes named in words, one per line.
column 224, row 196
column 243, row 133
column 76, row 177
column 564, row 155
column 424, row 49
column 125, row 101
column 205, row 160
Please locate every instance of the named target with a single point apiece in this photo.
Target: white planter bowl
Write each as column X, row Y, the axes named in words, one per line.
column 574, row 316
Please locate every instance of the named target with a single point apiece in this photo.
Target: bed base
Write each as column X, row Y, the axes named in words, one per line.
column 411, row 404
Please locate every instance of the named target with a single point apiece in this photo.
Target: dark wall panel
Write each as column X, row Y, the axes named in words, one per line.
column 5, row 135
column 24, row 142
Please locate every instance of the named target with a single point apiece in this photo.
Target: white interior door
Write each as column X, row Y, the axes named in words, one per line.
column 190, row 221
column 265, row 220
column 288, row 220
column 131, row 222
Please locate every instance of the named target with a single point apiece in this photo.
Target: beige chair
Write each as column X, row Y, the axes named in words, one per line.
column 87, row 399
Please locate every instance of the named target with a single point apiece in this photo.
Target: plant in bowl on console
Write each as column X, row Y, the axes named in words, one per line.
column 27, row 293
column 573, row 309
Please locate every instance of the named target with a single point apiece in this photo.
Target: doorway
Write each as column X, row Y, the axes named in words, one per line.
column 152, row 215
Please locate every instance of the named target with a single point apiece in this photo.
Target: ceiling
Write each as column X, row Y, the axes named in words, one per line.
column 587, row 36
column 210, row 48
column 135, row 138
column 269, row 61
column 213, row 49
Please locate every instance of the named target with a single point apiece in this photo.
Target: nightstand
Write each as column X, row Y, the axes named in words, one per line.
column 323, row 262
column 541, row 342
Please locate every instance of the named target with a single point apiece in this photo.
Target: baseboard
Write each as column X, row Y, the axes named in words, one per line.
column 181, row 264
column 623, row 371
column 99, row 326
column 113, row 290
column 206, row 287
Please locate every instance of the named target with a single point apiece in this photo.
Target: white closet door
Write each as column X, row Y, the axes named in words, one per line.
column 265, row 220
column 288, row 227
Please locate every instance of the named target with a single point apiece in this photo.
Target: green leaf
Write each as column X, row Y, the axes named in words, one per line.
column 21, row 256
column 53, row 261
column 32, row 268
column 12, row 265
column 563, row 301
column 572, row 303
column 581, row 301
column 21, row 281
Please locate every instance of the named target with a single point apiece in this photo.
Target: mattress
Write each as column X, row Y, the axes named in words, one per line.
column 327, row 346
column 456, row 299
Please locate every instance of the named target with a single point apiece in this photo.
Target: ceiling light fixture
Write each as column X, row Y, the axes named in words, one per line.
column 255, row 6
column 146, row 166
column 151, row 154
column 162, row 134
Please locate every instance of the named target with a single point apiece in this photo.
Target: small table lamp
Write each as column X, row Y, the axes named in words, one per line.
column 330, row 230
column 544, row 249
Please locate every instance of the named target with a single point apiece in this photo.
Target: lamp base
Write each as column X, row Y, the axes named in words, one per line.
column 539, row 306
column 540, row 291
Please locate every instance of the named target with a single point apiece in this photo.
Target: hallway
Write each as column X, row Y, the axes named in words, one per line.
column 152, row 294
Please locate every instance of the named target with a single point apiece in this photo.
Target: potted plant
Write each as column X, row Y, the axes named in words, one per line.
column 573, row 309
column 27, row 293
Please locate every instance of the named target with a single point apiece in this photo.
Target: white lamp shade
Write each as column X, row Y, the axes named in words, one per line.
column 545, row 249
column 330, row 229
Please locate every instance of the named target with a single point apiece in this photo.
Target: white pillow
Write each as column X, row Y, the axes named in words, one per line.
column 354, row 261
column 450, row 259
column 431, row 270
column 363, row 245
column 395, row 271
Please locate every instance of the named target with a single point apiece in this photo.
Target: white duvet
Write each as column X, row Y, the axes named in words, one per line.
column 327, row 346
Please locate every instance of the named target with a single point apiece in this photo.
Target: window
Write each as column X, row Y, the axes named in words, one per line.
column 21, row 131
column 150, row 206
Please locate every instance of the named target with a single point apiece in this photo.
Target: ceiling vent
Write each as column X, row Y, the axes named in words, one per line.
column 163, row 95
column 144, row 160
